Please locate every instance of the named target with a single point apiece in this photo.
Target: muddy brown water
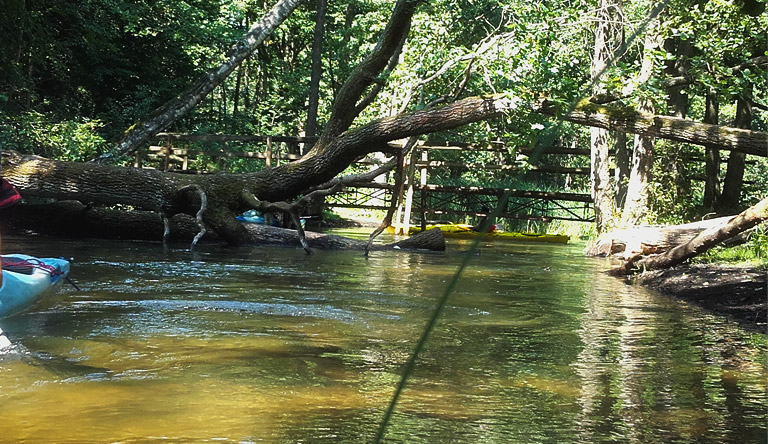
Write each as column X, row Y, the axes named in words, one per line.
column 270, row 345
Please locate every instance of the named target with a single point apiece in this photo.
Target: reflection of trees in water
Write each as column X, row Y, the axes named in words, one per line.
column 651, row 372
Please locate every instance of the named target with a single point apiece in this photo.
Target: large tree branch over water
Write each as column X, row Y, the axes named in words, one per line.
column 168, row 192
column 349, row 102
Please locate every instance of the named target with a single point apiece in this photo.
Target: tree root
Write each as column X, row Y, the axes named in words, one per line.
column 198, row 216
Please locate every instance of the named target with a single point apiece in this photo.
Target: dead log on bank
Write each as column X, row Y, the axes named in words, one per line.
column 702, row 242
column 72, row 218
column 649, row 239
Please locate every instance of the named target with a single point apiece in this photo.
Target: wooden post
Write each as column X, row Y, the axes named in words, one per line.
column 423, row 183
column 168, row 146
column 185, row 158
column 403, row 167
column 411, row 172
column 268, row 160
column 137, row 159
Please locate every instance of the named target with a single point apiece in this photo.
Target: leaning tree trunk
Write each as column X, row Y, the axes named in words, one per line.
column 231, row 194
column 192, row 96
column 73, row 218
column 626, row 118
column 649, row 239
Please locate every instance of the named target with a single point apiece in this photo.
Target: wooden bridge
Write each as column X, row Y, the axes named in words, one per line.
column 420, row 199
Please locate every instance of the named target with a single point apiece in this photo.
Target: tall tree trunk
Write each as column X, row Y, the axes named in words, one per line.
column 636, row 203
column 350, row 100
column 317, row 70
column 622, row 171
column 678, row 66
column 344, row 54
column 236, row 96
column 734, row 176
column 677, row 103
column 605, row 45
column 712, row 154
column 187, row 100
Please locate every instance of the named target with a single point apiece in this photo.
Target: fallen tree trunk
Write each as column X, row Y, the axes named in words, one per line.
column 702, row 242
column 72, row 218
column 432, row 240
column 649, row 239
column 626, row 118
column 230, row 194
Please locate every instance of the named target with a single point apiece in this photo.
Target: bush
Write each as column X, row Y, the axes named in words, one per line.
column 72, row 140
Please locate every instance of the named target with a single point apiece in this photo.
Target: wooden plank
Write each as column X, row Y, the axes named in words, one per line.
column 556, row 169
column 509, row 216
column 355, row 206
column 551, row 195
column 231, row 138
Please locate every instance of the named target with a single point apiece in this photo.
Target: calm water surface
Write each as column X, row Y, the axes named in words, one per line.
column 270, row 345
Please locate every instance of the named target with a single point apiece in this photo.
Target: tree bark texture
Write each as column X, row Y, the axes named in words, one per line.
column 678, row 67
column 602, row 188
column 712, row 154
column 317, row 69
column 734, row 176
column 622, row 171
column 636, row 201
column 677, row 103
column 623, row 118
column 605, row 44
column 649, row 239
column 704, row 240
column 135, row 136
column 349, row 102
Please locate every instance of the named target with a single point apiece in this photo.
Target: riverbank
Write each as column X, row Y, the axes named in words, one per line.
column 740, row 293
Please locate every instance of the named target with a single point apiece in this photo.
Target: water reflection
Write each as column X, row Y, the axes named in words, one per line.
column 652, row 373
column 269, row 345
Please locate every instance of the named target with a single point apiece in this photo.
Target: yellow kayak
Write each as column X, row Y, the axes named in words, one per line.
column 466, row 230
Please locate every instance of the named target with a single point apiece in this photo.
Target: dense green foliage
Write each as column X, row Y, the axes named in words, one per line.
column 75, row 75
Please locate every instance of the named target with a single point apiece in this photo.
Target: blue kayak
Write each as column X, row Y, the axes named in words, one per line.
column 26, row 279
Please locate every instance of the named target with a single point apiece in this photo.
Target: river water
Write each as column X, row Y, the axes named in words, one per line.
column 270, row 345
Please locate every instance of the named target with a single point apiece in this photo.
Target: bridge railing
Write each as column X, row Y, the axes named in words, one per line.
column 181, row 153
column 177, row 152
